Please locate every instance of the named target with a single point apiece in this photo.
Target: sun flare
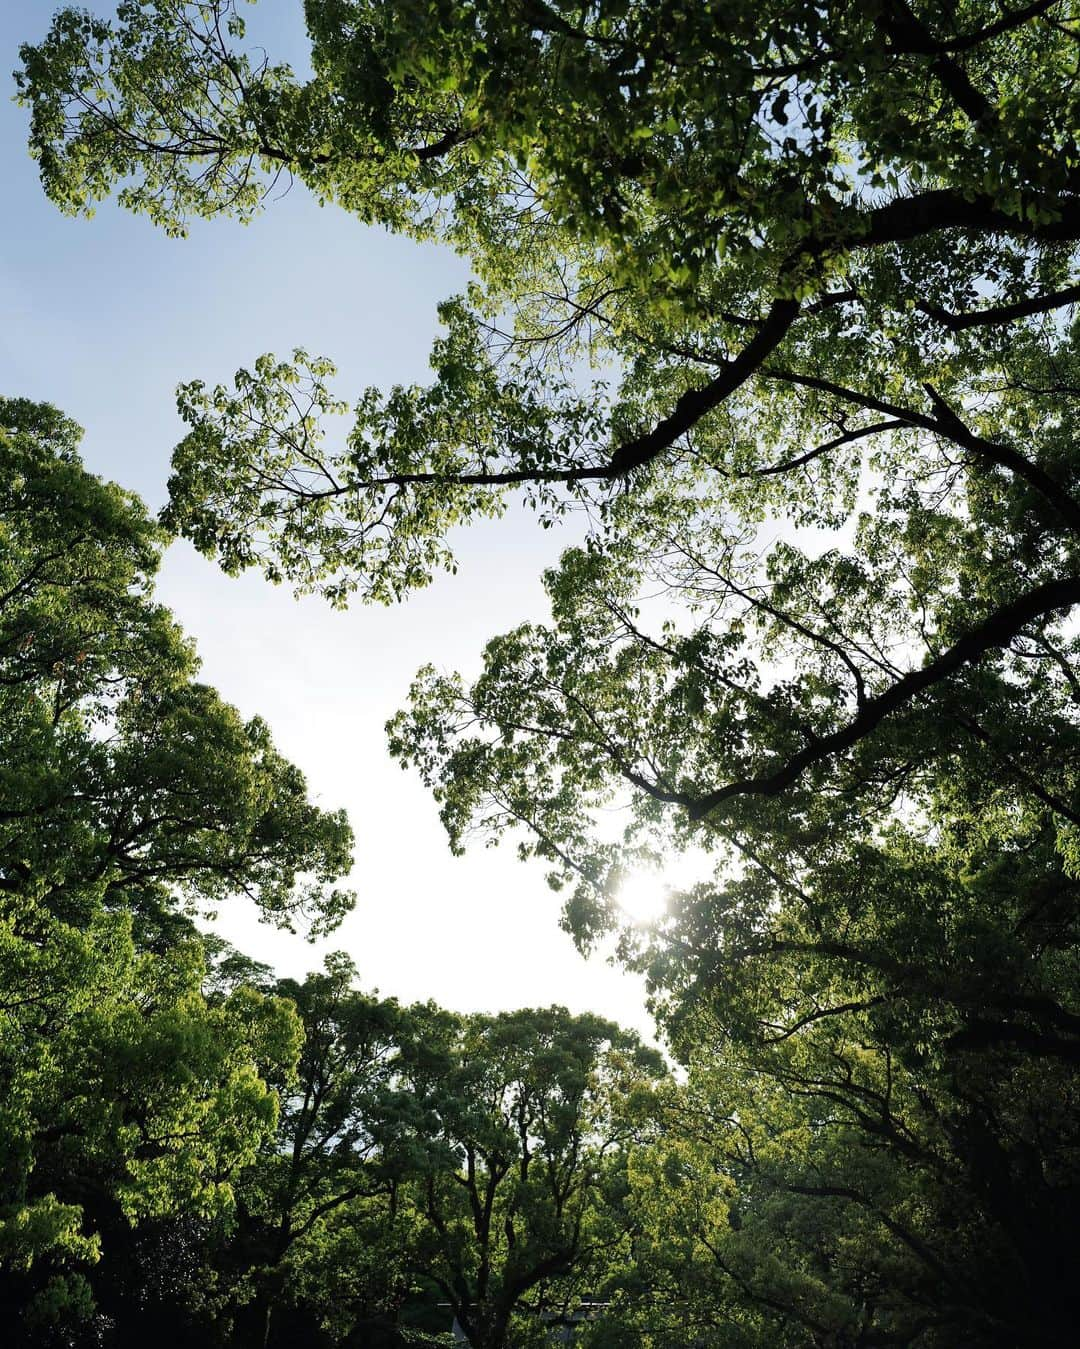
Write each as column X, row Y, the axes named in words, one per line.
column 642, row 896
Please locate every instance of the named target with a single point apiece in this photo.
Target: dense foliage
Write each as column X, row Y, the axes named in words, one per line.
column 131, row 797
column 777, row 299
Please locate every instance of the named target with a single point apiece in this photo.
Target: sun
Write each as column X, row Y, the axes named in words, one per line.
column 642, row 896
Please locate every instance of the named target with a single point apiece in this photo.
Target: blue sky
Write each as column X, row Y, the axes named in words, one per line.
column 103, row 318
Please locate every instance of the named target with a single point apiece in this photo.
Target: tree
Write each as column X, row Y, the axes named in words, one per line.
column 780, row 261
column 732, row 242
column 130, row 797
column 329, row 1174
column 518, row 1115
column 424, row 1155
column 828, row 258
column 886, row 1067
column 125, row 776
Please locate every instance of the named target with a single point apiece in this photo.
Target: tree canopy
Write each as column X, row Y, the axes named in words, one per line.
column 777, row 301
column 130, row 798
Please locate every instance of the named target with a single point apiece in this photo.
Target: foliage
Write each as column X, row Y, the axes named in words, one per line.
column 821, row 627
column 426, row 1155
column 320, row 1226
column 130, row 797
column 520, row 1120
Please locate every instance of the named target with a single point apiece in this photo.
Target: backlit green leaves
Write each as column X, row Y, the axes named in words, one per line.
column 131, row 797
column 255, row 481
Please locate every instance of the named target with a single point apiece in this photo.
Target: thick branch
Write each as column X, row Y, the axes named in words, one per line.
column 983, row 1035
column 992, row 634
column 915, row 37
column 946, row 423
column 940, row 209
column 693, row 405
column 1005, row 313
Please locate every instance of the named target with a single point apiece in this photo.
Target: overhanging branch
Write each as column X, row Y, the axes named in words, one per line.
column 993, row 633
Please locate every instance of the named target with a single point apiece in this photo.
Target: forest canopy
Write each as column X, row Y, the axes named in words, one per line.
column 773, row 305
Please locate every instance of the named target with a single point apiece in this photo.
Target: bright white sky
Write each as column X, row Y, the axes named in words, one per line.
column 104, row 318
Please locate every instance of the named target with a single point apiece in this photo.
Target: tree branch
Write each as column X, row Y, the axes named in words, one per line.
column 946, row 423
column 977, row 318
column 993, row 633
column 846, row 439
column 694, row 404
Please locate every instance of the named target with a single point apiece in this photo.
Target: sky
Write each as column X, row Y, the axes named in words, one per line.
column 103, row 318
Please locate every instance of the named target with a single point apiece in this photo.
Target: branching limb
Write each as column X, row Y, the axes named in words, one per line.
column 1005, row 313
column 993, row 633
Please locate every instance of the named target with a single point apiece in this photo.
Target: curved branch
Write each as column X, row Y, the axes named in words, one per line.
column 1005, row 313
column 858, row 434
column 1011, row 19
column 945, row 423
column 992, row 634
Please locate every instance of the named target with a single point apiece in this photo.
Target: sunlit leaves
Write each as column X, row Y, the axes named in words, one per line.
column 131, row 797
column 256, row 481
